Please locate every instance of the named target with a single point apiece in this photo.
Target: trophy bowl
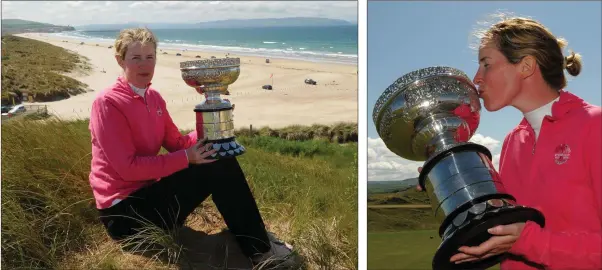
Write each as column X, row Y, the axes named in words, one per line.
column 214, row 118
column 430, row 115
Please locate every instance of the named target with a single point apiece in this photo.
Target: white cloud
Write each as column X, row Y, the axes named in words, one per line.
column 75, row 3
column 384, row 165
column 108, row 12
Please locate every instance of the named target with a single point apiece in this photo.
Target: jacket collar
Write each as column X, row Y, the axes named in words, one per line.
column 123, row 86
column 560, row 108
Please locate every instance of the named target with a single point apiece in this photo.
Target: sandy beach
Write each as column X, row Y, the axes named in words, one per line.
column 332, row 100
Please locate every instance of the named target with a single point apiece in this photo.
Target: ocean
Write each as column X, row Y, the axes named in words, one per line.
column 336, row 44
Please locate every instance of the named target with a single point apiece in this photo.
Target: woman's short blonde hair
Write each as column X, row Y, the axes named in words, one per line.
column 131, row 35
column 517, row 37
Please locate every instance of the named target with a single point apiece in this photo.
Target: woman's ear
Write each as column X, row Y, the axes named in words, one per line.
column 119, row 61
column 527, row 66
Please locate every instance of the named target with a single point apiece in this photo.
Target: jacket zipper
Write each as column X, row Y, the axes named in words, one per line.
column 534, row 145
column 545, row 119
column 146, row 104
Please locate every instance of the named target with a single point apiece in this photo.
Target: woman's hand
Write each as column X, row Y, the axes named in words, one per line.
column 503, row 239
column 198, row 153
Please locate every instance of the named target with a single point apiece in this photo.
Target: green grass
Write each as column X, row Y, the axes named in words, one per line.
column 402, row 237
column 402, row 249
column 408, row 249
column 339, row 133
column 306, row 191
column 37, row 68
column 397, row 219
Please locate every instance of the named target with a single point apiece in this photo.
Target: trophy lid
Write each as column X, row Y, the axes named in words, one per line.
column 425, row 108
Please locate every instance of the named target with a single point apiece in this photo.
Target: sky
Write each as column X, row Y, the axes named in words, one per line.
column 406, row 36
column 76, row 13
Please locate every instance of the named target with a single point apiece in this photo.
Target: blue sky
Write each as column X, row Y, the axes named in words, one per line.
column 405, row 36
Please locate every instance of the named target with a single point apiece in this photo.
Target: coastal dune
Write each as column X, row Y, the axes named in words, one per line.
column 291, row 102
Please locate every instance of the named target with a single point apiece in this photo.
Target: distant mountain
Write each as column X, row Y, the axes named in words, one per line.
column 15, row 26
column 391, row 186
column 246, row 23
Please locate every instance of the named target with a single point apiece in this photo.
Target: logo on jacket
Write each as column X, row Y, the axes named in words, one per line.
column 562, row 154
column 159, row 112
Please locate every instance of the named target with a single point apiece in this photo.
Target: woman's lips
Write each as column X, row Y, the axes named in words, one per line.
column 144, row 74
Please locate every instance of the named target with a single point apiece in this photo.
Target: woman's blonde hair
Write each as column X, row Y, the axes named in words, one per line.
column 131, row 35
column 517, row 37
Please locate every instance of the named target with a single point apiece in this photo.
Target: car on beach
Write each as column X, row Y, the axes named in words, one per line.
column 17, row 109
column 267, row 87
column 310, row 81
column 6, row 108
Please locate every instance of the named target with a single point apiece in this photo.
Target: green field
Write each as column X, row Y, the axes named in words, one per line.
column 402, row 231
column 412, row 249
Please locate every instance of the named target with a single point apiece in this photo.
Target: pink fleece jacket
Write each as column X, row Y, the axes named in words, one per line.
column 127, row 134
column 560, row 176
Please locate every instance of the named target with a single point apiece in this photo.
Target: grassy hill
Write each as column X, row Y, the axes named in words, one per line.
column 408, row 195
column 14, row 26
column 306, row 191
column 391, row 186
column 37, row 68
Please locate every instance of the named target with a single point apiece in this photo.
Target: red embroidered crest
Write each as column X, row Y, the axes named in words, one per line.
column 562, row 154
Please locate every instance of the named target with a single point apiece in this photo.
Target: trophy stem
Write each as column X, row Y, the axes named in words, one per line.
column 212, row 97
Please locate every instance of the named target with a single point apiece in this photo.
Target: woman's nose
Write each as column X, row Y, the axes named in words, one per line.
column 477, row 79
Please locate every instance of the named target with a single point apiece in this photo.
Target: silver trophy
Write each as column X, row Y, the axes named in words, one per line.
column 214, row 118
column 429, row 115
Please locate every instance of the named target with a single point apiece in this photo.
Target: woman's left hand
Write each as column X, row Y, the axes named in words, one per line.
column 503, row 239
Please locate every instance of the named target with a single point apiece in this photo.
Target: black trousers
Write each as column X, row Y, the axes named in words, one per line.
column 168, row 202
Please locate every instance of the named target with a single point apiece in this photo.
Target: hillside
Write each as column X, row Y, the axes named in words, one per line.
column 38, row 68
column 15, row 26
column 408, row 195
column 393, row 186
column 306, row 192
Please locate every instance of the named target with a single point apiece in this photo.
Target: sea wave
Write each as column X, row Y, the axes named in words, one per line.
column 287, row 53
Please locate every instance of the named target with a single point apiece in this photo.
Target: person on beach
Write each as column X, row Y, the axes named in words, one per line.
column 135, row 187
column 551, row 160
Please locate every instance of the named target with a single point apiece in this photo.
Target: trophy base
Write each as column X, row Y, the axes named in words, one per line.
column 226, row 148
column 473, row 231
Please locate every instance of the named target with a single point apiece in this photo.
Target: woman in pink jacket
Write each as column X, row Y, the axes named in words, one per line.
column 551, row 160
column 129, row 124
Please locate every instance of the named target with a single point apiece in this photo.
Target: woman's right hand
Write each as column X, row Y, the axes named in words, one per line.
column 418, row 186
column 198, row 153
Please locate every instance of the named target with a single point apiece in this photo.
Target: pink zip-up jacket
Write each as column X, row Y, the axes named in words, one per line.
column 127, row 134
column 560, row 176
